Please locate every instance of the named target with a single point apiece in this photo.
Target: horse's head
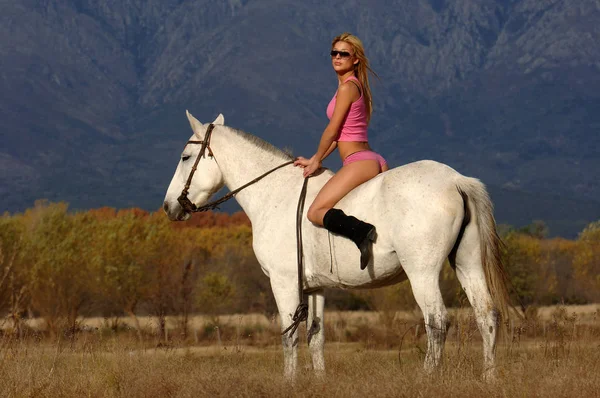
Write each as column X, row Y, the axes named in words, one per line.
column 207, row 178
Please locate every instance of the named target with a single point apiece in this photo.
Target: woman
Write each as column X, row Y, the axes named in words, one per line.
column 349, row 113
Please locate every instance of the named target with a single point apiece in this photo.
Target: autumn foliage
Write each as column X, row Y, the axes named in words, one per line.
column 61, row 265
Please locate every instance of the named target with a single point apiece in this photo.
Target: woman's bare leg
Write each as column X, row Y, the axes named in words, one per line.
column 345, row 180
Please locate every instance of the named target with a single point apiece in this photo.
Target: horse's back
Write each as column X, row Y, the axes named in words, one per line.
column 403, row 190
column 415, row 208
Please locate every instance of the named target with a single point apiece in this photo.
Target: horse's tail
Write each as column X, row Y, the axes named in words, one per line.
column 476, row 197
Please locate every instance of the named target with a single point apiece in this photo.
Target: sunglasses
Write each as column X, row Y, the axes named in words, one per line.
column 343, row 54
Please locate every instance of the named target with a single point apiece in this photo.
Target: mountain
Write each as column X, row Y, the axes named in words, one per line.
column 508, row 91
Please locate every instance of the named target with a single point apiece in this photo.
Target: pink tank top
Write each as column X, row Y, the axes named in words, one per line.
column 354, row 127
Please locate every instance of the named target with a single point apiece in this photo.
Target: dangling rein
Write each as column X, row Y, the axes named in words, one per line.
column 301, row 313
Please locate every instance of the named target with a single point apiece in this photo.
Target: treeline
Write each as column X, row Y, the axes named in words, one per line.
column 61, row 265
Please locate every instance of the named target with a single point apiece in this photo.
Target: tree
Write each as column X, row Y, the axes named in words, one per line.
column 13, row 269
column 189, row 282
column 216, row 293
column 537, row 229
column 586, row 263
column 61, row 245
column 522, row 256
column 120, row 264
column 556, row 278
column 163, row 256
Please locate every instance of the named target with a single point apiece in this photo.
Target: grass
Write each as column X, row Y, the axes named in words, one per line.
column 560, row 359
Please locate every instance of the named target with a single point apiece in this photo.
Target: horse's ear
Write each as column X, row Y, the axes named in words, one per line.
column 195, row 124
column 220, row 119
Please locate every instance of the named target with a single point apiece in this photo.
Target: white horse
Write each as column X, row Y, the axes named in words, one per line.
column 424, row 212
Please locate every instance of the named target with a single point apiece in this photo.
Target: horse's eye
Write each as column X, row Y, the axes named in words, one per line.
column 184, row 158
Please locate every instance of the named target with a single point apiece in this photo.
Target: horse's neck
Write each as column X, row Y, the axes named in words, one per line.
column 241, row 161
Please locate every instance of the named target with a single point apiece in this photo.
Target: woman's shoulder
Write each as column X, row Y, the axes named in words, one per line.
column 353, row 80
column 349, row 87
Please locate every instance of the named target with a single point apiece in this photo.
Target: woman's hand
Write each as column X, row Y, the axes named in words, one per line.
column 310, row 166
column 301, row 161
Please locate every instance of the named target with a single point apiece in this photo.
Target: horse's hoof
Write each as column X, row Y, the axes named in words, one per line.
column 490, row 375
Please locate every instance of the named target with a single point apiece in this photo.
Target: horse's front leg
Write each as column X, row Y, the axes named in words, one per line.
column 316, row 330
column 285, row 291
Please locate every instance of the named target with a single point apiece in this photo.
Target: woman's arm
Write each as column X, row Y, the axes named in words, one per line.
column 331, row 149
column 303, row 162
column 346, row 93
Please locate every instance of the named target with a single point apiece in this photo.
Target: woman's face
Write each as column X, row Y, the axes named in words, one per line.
column 342, row 57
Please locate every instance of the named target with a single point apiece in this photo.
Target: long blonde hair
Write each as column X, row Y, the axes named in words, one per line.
column 362, row 69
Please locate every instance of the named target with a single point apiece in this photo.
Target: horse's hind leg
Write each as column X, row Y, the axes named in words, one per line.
column 471, row 276
column 424, row 281
column 315, row 330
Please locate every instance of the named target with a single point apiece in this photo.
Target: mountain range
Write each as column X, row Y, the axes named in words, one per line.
column 94, row 93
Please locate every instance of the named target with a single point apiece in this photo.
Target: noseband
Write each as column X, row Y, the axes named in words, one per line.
column 183, row 199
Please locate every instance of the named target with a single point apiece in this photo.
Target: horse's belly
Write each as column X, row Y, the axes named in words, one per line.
column 339, row 266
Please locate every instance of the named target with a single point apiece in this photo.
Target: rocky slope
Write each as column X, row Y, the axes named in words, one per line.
column 94, row 92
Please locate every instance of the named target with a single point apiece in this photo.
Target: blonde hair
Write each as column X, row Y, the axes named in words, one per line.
column 361, row 69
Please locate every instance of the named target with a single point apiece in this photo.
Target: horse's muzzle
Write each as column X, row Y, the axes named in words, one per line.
column 175, row 213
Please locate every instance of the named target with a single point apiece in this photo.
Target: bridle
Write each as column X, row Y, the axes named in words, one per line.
column 183, row 199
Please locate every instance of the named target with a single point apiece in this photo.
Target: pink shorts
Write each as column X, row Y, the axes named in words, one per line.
column 365, row 155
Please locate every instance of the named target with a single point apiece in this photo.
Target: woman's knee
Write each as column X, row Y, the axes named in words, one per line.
column 315, row 215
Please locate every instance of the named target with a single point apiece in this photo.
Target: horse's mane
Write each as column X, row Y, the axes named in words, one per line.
column 264, row 145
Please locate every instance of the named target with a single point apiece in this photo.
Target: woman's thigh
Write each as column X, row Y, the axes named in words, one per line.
column 346, row 179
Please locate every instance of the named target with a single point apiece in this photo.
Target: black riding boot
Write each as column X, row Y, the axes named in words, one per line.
column 360, row 232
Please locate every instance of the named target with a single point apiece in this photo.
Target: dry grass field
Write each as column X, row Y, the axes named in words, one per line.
column 554, row 353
